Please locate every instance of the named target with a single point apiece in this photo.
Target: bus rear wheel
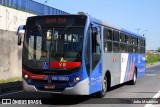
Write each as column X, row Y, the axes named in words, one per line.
column 102, row 93
column 133, row 81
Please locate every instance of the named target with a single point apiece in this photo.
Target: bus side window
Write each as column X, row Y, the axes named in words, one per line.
column 87, row 52
column 108, row 46
column 126, row 39
column 123, row 48
column 129, row 39
column 116, row 36
column 122, row 37
column 107, row 35
column 96, row 51
column 93, row 42
column 116, row 41
column 115, row 47
column 130, row 48
column 96, row 43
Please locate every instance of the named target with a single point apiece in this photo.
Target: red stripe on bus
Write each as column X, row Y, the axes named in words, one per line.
column 65, row 64
column 34, row 76
column 132, row 71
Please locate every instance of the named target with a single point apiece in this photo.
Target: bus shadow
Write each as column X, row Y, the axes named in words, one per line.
column 66, row 99
column 56, row 99
column 119, row 85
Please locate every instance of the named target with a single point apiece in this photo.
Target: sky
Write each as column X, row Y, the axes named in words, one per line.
column 127, row 14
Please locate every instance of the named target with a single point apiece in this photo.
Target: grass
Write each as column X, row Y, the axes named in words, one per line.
column 152, row 58
column 11, row 80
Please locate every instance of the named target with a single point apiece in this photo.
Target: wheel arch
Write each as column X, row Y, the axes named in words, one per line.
column 136, row 70
column 108, row 75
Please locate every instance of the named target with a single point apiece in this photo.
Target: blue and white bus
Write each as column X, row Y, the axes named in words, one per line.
column 78, row 55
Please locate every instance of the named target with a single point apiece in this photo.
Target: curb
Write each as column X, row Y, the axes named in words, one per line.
column 152, row 64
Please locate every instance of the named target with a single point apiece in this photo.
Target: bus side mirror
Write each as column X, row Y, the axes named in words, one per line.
column 22, row 27
column 96, row 32
column 19, row 39
column 95, row 29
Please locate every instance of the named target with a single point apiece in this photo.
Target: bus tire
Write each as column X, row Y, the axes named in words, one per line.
column 133, row 81
column 102, row 93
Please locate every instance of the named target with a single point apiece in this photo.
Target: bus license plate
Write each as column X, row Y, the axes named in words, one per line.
column 49, row 87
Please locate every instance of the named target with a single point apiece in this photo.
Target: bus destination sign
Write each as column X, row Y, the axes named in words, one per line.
column 56, row 20
column 50, row 21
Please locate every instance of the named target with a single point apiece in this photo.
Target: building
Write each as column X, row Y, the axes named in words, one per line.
column 15, row 12
column 31, row 7
column 12, row 14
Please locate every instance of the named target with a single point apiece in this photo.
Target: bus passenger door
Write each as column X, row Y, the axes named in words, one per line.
column 96, row 61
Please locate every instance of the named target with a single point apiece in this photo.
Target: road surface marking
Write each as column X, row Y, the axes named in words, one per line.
column 151, row 75
column 157, row 95
column 11, row 93
column 150, row 70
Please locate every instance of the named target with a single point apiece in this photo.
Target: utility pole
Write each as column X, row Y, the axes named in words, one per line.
column 143, row 33
column 45, row 1
column 138, row 29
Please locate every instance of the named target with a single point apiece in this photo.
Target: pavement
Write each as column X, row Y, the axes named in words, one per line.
column 10, row 87
column 146, row 87
column 17, row 86
column 152, row 64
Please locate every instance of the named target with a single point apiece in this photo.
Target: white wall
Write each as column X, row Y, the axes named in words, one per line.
column 10, row 18
column 10, row 53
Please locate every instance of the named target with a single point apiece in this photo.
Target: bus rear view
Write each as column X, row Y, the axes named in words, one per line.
column 52, row 54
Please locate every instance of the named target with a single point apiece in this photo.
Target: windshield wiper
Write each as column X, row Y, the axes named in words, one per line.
column 27, row 46
column 66, row 28
column 54, row 34
column 40, row 30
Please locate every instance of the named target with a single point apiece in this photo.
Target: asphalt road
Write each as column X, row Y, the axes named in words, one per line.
column 147, row 86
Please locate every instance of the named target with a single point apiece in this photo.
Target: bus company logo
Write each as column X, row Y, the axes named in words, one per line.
column 124, row 59
column 143, row 58
column 49, row 81
column 6, row 101
column 114, row 58
column 46, row 77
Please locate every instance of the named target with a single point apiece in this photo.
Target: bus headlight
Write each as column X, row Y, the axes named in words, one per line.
column 77, row 79
column 26, row 76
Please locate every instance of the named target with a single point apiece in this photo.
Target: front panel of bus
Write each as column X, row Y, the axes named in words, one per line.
column 52, row 53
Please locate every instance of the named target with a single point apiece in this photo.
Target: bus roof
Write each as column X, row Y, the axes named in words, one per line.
column 115, row 27
column 102, row 23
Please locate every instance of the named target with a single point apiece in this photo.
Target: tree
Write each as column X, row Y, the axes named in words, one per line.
column 159, row 49
column 81, row 13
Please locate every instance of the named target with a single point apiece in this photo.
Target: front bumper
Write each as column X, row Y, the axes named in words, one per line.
column 81, row 88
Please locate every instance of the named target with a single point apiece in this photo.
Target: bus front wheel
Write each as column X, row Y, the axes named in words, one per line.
column 102, row 93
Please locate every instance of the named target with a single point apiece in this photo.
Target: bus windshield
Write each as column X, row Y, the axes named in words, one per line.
column 46, row 45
